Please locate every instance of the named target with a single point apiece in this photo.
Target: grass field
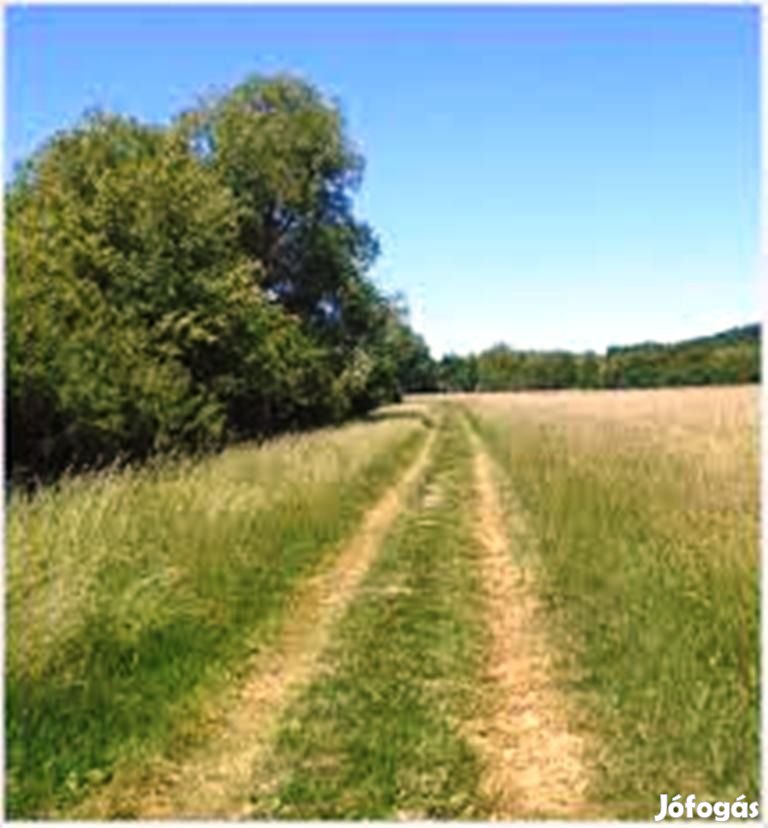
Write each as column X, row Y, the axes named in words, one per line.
column 406, row 615
column 644, row 508
column 127, row 593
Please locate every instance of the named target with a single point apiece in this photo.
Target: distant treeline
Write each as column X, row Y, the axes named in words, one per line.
column 184, row 286
column 730, row 357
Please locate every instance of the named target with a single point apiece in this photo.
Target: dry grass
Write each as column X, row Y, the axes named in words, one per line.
column 533, row 762
column 214, row 781
column 126, row 590
column 645, row 509
column 621, row 634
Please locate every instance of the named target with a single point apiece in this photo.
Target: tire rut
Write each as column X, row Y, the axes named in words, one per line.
column 533, row 764
column 216, row 779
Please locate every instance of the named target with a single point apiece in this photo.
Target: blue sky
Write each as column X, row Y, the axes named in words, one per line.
column 550, row 177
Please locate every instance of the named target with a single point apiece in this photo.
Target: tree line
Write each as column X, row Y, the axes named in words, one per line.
column 180, row 287
column 729, row 357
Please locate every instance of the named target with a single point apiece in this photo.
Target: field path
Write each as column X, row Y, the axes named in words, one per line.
column 533, row 763
column 214, row 782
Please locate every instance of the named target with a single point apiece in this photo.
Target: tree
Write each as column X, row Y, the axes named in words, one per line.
column 282, row 150
column 135, row 322
column 173, row 288
column 457, row 373
column 588, row 370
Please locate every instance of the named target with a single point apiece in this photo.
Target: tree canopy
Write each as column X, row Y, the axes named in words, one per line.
column 174, row 288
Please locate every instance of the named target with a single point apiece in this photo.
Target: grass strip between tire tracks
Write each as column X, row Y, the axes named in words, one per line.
column 378, row 735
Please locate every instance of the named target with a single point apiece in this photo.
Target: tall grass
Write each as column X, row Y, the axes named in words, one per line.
column 129, row 593
column 376, row 736
column 644, row 507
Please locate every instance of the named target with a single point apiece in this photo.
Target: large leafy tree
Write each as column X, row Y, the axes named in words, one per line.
column 90, row 248
column 282, row 150
column 135, row 321
column 176, row 287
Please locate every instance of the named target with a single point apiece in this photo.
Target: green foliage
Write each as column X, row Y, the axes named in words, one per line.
column 456, row 373
column 416, row 368
column 401, row 356
column 108, row 282
column 171, row 289
column 730, row 357
column 282, row 151
column 501, row 368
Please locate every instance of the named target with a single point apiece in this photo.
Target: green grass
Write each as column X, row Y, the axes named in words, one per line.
column 129, row 594
column 647, row 558
column 377, row 735
column 134, row 597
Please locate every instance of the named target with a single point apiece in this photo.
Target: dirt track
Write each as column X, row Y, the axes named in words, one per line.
column 215, row 781
column 533, row 763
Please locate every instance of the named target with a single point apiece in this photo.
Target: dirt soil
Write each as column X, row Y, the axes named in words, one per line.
column 533, row 763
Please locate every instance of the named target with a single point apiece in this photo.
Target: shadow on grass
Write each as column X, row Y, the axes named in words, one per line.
column 422, row 417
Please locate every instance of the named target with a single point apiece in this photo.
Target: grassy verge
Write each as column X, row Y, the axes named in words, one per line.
column 376, row 736
column 129, row 594
column 648, row 559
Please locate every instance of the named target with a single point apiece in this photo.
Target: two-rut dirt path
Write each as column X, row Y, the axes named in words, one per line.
column 215, row 781
column 532, row 764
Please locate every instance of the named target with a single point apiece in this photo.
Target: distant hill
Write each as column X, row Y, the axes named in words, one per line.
column 731, row 336
column 729, row 357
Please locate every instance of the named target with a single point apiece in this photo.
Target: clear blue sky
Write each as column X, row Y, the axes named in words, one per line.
column 549, row 177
